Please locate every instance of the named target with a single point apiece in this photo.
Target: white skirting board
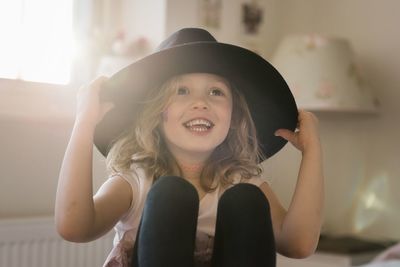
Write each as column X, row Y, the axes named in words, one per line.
column 34, row 242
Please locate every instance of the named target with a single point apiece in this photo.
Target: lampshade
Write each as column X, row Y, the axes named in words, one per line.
column 323, row 75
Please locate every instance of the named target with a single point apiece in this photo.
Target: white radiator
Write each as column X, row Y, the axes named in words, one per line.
column 35, row 243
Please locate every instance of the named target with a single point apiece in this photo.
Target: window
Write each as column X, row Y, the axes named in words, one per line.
column 36, row 40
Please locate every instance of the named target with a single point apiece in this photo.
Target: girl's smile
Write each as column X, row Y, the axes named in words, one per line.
column 198, row 116
column 199, row 126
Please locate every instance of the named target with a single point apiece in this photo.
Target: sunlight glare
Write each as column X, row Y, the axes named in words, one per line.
column 372, row 204
column 38, row 45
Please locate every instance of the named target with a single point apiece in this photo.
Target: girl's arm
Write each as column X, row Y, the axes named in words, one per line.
column 298, row 229
column 79, row 216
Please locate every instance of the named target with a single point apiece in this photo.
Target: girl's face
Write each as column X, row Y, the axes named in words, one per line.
column 198, row 116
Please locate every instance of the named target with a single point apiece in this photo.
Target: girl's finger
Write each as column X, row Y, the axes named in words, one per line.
column 107, row 107
column 286, row 134
column 96, row 84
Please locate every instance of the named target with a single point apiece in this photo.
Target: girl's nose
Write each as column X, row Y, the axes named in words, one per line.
column 200, row 104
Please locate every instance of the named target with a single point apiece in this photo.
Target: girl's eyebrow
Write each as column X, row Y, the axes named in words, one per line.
column 217, row 83
column 223, row 83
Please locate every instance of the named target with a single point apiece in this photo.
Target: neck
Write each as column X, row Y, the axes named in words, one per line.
column 191, row 170
column 191, row 167
column 191, row 164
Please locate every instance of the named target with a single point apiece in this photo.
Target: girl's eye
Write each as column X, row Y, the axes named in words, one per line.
column 183, row 91
column 217, row 92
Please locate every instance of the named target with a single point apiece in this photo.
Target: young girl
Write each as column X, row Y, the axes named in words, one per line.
column 184, row 130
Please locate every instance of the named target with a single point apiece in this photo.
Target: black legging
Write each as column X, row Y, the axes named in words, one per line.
column 167, row 233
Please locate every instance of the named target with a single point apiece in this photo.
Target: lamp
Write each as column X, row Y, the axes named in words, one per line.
column 323, row 75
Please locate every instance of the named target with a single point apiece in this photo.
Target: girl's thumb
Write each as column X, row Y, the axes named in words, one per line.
column 107, row 106
column 285, row 134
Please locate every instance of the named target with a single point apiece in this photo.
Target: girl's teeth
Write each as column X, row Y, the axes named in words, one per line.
column 199, row 123
column 198, row 129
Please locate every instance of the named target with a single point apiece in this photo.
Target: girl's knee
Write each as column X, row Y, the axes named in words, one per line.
column 244, row 202
column 244, row 195
column 173, row 189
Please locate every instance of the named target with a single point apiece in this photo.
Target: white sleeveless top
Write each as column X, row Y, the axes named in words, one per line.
column 126, row 228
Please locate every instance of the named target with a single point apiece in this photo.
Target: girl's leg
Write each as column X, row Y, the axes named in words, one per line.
column 167, row 232
column 243, row 234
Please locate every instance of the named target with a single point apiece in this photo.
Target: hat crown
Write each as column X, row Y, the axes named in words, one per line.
column 186, row 36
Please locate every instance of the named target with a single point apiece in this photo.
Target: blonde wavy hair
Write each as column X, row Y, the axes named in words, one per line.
column 143, row 144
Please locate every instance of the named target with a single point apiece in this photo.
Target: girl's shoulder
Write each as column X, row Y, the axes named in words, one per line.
column 140, row 185
column 135, row 176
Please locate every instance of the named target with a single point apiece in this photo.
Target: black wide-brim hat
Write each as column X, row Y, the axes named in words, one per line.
column 191, row 50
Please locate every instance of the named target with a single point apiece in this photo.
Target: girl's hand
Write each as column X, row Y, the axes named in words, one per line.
column 306, row 136
column 89, row 107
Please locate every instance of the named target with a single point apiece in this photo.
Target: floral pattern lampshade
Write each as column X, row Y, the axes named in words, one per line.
column 323, row 75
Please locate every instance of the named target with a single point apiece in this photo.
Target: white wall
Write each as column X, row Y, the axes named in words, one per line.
column 361, row 151
column 35, row 123
column 145, row 18
column 182, row 13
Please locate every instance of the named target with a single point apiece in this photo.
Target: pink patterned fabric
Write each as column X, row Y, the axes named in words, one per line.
column 121, row 254
column 392, row 253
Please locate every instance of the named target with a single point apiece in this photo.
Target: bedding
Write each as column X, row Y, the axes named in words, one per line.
column 390, row 263
column 390, row 257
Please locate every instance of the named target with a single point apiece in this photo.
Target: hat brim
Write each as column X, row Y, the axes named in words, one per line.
column 269, row 98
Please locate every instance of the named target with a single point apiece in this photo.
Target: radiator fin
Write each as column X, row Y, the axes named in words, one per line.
column 34, row 242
